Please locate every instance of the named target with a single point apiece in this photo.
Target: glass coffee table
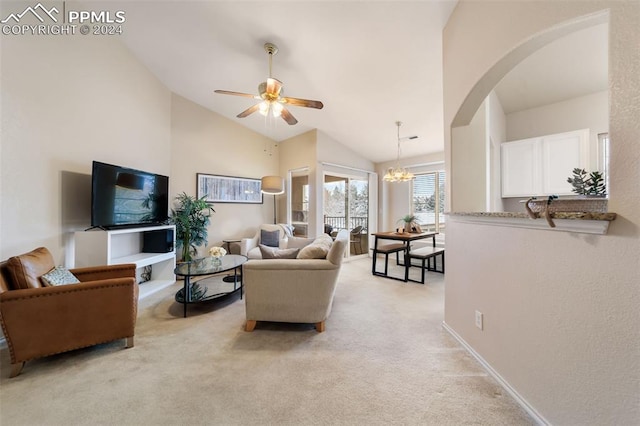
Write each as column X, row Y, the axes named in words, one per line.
column 202, row 291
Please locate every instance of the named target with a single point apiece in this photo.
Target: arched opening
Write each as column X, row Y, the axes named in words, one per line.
column 560, row 85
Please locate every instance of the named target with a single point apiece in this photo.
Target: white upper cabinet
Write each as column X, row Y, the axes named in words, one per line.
column 520, row 174
column 540, row 166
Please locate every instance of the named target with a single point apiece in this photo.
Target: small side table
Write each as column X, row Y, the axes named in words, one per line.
column 231, row 278
column 228, row 244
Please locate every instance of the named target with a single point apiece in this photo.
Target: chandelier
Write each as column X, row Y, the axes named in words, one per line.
column 398, row 174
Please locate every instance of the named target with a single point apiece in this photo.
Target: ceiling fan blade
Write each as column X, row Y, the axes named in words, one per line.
column 302, row 102
column 286, row 116
column 248, row 111
column 246, row 95
column 274, row 87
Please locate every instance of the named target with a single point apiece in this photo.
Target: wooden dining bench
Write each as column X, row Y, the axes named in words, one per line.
column 387, row 249
column 427, row 255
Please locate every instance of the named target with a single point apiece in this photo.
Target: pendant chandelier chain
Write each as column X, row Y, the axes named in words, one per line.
column 398, row 174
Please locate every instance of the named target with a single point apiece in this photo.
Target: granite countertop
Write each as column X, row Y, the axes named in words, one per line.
column 557, row 215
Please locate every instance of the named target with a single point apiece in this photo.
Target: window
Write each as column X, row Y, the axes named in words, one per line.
column 603, row 157
column 428, row 200
column 305, row 198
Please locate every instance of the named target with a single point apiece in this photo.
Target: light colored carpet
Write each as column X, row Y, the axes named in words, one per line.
column 383, row 359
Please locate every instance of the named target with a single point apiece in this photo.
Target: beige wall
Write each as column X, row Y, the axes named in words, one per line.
column 65, row 102
column 497, row 135
column 560, row 309
column 205, row 142
column 394, row 199
column 332, row 151
column 469, row 179
column 585, row 112
column 310, row 150
column 296, row 153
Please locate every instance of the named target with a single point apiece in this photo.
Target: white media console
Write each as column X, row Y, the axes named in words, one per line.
column 112, row 247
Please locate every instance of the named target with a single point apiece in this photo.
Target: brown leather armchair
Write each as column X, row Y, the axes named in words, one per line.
column 40, row 320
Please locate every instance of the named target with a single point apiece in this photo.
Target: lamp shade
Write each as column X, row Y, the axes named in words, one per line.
column 272, row 185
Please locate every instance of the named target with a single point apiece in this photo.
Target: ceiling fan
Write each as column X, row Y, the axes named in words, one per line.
column 270, row 93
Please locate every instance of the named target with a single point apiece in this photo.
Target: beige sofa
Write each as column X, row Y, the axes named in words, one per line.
column 293, row 290
column 250, row 246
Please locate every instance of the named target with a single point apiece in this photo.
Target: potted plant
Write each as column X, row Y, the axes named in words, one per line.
column 191, row 216
column 587, row 184
column 409, row 222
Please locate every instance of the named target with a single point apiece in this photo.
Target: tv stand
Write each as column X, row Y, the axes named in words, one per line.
column 116, row 246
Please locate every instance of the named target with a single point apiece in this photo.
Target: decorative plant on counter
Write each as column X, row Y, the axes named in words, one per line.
column 191, row 217
column 587, row 183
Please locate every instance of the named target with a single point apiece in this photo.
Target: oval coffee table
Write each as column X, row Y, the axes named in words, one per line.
column 200, row 291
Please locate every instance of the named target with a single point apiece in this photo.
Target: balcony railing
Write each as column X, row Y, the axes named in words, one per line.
column 340, row 222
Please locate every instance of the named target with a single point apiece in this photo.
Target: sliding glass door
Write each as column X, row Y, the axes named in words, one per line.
column 346, row 206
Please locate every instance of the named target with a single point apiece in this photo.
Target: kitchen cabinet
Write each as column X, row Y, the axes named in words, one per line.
column 540, row 166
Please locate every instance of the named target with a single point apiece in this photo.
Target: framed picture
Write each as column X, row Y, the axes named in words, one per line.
column 228, row 189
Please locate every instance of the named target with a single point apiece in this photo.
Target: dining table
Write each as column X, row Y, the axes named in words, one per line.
column 406, row 238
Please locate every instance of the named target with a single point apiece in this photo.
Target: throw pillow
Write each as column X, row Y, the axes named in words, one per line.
column 270, row 238
column 288, row 229
column 318, row 249
column 324, row 239
column 59, row 276
column 274, row 253
column 313, row 251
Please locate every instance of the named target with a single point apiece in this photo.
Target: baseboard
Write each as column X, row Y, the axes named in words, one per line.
column 519, row 399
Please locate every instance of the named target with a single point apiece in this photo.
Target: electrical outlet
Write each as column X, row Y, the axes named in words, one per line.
column 479, row 319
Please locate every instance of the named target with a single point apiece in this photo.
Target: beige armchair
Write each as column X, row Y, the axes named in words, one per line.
column 293, row 290
column 39, row 320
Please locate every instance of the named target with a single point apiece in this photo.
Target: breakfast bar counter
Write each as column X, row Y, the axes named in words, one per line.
column 581, row 222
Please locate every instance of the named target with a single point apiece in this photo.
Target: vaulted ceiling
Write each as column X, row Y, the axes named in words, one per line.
column 371, row 63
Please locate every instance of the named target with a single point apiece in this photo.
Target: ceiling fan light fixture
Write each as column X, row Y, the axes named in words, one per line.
column 276, row 109
column 263, row 108
column 271, row 95
column 270, row 106
column 397, row 173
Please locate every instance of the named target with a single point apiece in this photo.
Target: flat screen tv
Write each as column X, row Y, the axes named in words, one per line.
column 123, row 197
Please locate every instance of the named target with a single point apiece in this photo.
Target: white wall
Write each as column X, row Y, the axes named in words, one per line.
column 65, row 102
column 205, row 142
column 561, row 309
